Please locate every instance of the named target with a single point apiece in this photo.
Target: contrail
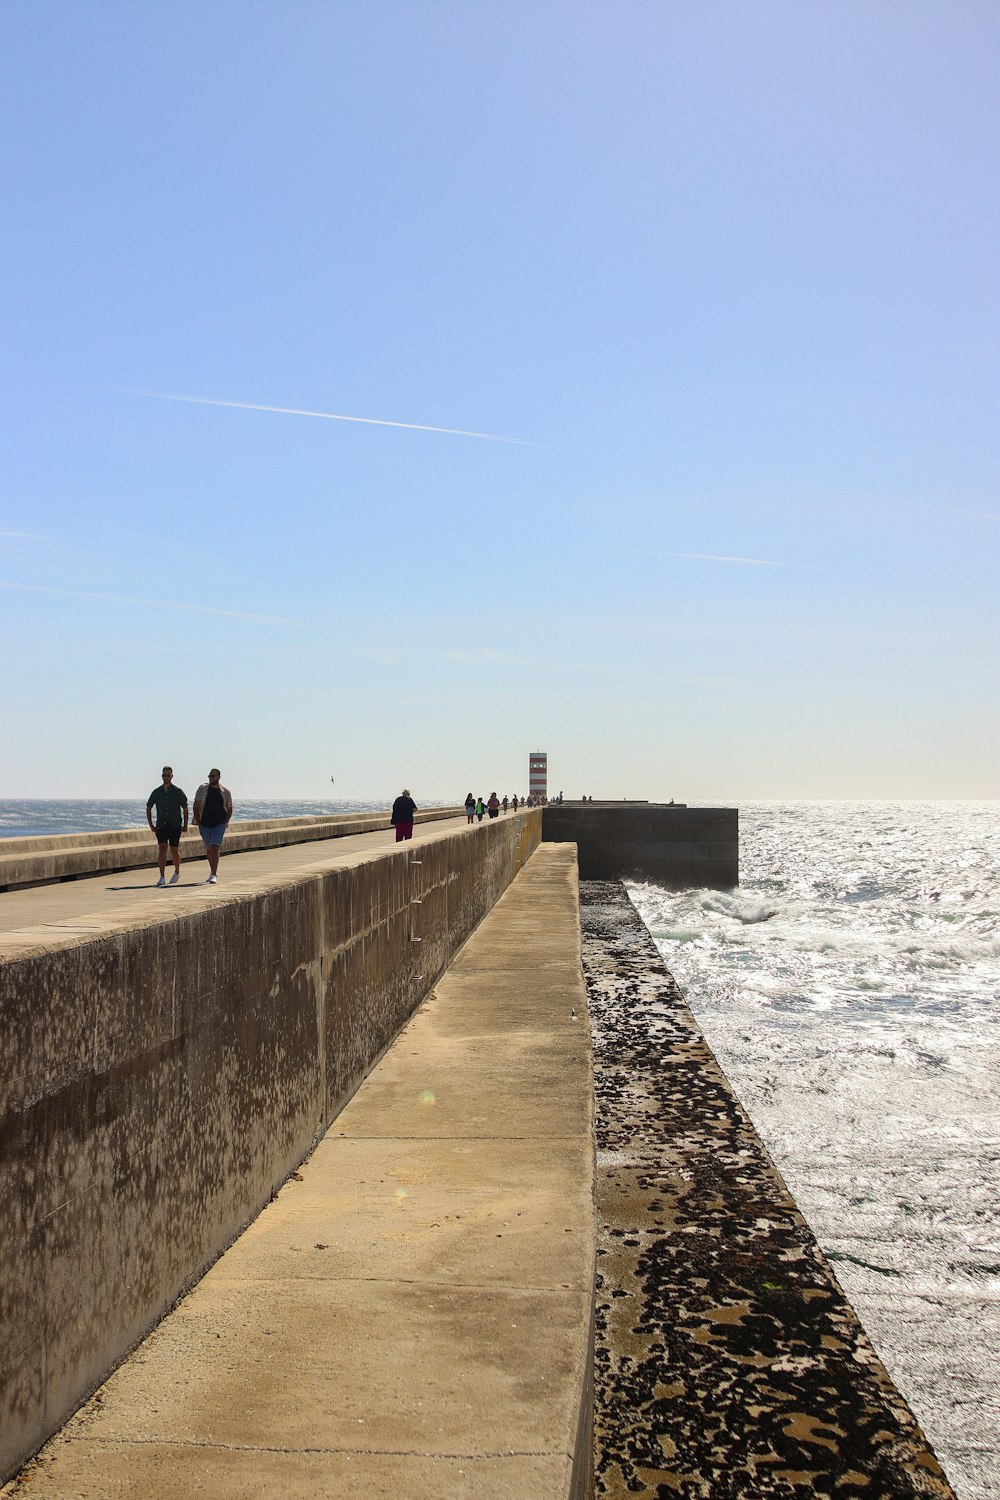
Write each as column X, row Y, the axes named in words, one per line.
column 332, row 416
column 204, row 609
column 32, row 536
column 751, row 562
column 954, row 510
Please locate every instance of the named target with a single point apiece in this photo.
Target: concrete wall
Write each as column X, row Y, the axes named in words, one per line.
column 675, row 846
column 162, row 1079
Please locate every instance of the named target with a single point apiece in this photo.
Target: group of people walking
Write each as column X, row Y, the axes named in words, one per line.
column 213, row 808
column 475, row 807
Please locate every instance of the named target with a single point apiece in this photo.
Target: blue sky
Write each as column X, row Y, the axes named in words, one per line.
column 728, row 273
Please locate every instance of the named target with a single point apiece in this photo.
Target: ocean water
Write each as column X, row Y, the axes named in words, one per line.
column 25, row 819
column 851, row 991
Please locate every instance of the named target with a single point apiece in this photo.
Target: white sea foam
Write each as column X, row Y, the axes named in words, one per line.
column 851, row 990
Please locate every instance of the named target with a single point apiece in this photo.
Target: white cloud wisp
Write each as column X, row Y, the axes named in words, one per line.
column 204, row 609
column 331, row 416
column 749, row 562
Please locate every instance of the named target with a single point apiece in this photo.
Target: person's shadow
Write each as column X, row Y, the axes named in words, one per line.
column 152, row 886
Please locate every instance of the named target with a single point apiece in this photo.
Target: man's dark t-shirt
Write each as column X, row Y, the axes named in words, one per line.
column 213, row 810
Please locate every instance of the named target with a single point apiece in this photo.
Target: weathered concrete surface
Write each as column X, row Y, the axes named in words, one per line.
column 729, row 1364
column 110, row 899
column 168, row 1064
column 411, row 1316
column 66, row 856
column 675, row 845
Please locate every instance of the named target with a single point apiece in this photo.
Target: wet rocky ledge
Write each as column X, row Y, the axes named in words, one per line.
column 729, row 1362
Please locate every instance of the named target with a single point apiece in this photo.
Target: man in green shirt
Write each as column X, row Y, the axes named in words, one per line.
column 171, row 821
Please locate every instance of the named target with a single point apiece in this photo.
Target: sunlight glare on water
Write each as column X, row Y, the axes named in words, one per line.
column 851, row 991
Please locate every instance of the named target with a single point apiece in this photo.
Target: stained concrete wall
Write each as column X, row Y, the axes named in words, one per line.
column 677, row 846
column 163, row 1078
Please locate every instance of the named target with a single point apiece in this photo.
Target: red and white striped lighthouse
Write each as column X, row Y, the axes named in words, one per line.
column 538, row 773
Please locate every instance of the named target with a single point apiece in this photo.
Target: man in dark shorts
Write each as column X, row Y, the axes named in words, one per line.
column 213, row 807
column 171, row 821
column 402, row 815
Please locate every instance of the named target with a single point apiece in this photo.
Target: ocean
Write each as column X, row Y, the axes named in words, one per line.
column 851, row 991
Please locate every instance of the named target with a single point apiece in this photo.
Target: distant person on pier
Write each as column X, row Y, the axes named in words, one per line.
column 171, row 821
column 480, row 808
column 213, row 807
column 513, row 802
column 505, row 804
column 470, row 807
column 402, row 815
column 493, row 805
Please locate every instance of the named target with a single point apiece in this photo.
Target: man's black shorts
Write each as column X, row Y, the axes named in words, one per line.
column 168, row 835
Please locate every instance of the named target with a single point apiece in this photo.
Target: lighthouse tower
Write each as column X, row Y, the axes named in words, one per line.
column 538, row 773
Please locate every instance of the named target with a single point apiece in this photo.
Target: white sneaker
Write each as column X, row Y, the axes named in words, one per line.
column 174, row 878
column 212, row 880
column 162, row 880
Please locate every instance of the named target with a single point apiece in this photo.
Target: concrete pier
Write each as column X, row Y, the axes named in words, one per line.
column 172, row 1055
column 411, row 1316
column 413, row 1313
column 46, row 858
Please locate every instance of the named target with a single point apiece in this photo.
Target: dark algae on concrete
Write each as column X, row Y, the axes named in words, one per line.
column 729, row 1363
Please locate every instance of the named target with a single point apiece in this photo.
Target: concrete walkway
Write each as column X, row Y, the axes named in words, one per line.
column 410, row 1318
column 95, row 900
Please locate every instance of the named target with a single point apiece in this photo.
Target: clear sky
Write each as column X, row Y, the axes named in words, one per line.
column 727, row 271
